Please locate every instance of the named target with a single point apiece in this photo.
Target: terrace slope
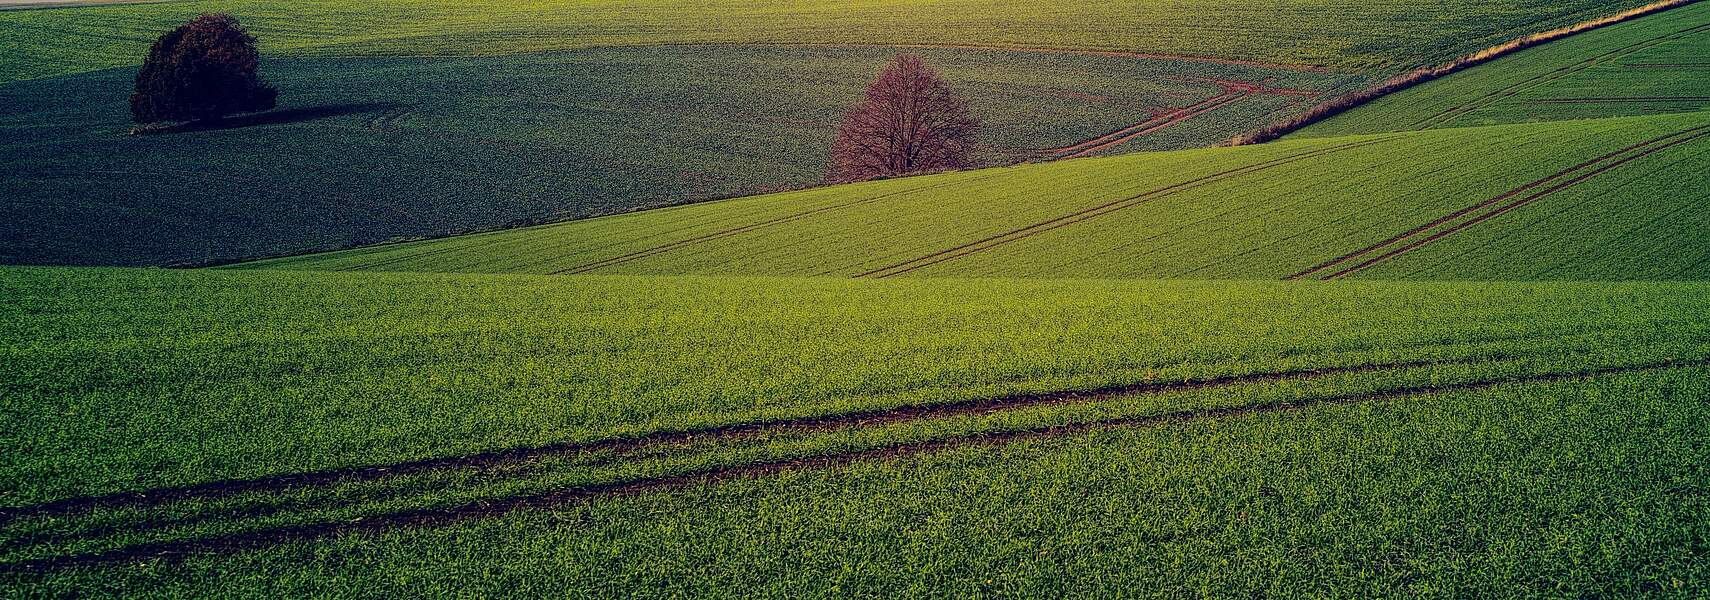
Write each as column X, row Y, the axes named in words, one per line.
column 1601, row 199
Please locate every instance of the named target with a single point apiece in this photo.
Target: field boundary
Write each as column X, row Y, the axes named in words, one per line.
column 431, row 517
column 1416, row 77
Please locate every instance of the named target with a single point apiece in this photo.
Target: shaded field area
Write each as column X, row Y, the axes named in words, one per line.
column 1651, row 65
column 176, row 424
column 1383, row 35
column 1601, row 199
column 370, row 150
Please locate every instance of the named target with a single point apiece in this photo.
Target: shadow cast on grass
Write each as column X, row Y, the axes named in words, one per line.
column 277, row 117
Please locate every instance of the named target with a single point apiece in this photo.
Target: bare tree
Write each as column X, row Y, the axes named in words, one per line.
column 909, row 122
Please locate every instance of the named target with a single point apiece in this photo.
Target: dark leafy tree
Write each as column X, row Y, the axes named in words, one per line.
column 203, row 70
column 909, row 122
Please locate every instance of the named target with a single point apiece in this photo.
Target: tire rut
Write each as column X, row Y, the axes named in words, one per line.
column 1011, row 236
column 1458, row 111
column 438, row 517
column 158, row 496
column 1573, row 176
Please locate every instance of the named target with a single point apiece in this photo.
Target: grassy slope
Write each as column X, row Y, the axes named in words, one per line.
column 1593, row 488
column 176, row 377
column 369, row 150
column 1639, row 220
column 1368, row 35
column 1623, row 61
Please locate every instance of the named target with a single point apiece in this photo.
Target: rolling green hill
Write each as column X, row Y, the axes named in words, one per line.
column 419, row 147
column 1057, row 378
column 369, row 150
column 1601, row 199
column 1651, row 65
column 1375, row 35
column 403, row 428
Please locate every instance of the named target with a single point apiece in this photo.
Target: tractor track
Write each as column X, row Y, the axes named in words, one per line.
column 988, row 243
column 1458, row 111
column 1125, row 133
column 1232, row 91
column 435, row 517
column 1573, row 176
column 1156, row 125
column 528, row 460
column 158, row 496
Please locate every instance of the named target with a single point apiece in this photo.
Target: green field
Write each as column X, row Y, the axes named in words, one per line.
column 1452, row 343
column 1378, row 35
column 1601, row 199
column 1651, row 65
column 418, row 147
column 166, row 379
column 376, row 149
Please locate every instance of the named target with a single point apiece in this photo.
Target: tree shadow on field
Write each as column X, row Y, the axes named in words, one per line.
column 276, row 117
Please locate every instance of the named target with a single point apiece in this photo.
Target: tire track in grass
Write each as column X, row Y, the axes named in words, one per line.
column 1455, row 112
column 1013, row 235
column 438, row 517
column 668, row 247
column 1232, row 91
column 1151, row 125
column 159, row 496
column 1413, row 241
column 1573, row 176
column 518, row 467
